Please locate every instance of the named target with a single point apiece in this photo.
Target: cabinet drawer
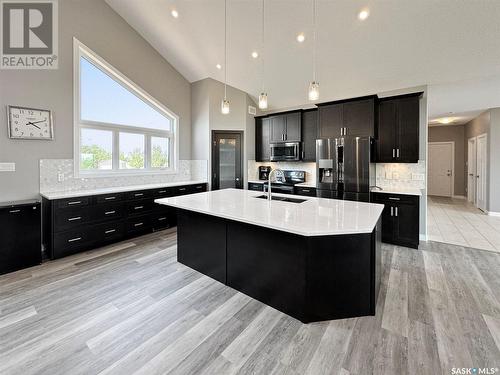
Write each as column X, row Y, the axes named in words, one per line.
column 113, row 231
column 162, row 192
column 161, row 220
column 109, row 198
column 109, row 211
column 138, row 224
column 139, row 207
column 307, row 191
column 72, row 202
column 71, row 242
column 197, row 188
column 255, row 186
column 139, row 194
column 180, row 190
column 394, row 198
column 71, row 218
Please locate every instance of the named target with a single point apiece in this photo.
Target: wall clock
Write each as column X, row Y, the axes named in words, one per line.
column 29, row 123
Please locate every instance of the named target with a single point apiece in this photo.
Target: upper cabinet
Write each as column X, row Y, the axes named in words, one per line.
column 398, row 129
column 262, row 139
column 286, row 127
column 309, row 134
column 354, row 117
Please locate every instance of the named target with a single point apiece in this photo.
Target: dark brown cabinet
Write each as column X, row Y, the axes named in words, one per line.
column 307, row 191
column 256, row 186
column 76, row 224
column 354, row 117
column 262, row 139
column 309, row 134
column 20, row 231
column 400, row 218
column 398, row 129
column 285, row 127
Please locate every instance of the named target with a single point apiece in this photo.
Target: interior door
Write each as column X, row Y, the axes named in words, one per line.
column 440, row 169
column 226, row 160
column 481, row 172
column 471, row 170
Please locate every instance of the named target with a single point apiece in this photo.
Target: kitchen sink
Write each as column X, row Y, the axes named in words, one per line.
column 282, row 199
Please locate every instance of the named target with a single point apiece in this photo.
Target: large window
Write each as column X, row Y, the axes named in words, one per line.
column 119, row 129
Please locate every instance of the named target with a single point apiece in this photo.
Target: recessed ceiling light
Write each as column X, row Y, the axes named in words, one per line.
column 301, row 37
column 363, row 15
column 446, row 120
column 255, row 54
column 174, row 13
column 218, row 66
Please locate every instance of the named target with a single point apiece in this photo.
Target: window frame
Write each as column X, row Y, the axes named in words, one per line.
column 79, row 51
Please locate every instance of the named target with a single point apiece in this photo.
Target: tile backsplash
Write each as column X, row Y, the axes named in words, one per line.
column 401, row 175
column 57, row 175
column 309, row 168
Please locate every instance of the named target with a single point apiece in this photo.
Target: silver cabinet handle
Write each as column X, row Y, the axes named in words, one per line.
column 305, row 190
column 392, row 211
column 397, row 153
column 75, row 239
column 393, row 152
column 162, row 191
column 138, row 224
column 182, row 189
column 110, row 231
column 138, row 207
column 396, row 211
column 74, row 218
column 201, row 187
column 74, row 202
column 394, row 199
column 138, row 194
column 109, row 198
column 162, row 218
column 109, row 212
column 14, row 211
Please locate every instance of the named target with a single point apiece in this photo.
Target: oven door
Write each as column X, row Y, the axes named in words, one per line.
column 285, row 151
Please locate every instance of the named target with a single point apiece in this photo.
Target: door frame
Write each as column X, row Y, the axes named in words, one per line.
column 474, row 180
column 485, row 184
column 452, row 162
column 215, row 156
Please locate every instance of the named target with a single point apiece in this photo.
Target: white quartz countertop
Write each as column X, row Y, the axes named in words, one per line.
column 405, row 191
column 314, row 217
column 116, row 189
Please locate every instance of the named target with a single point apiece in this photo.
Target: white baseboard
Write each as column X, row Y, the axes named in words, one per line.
column 491, row 213
column 423, row 237
column 459, row 196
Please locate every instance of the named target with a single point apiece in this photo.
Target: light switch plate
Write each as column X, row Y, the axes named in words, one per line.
column 7, row 167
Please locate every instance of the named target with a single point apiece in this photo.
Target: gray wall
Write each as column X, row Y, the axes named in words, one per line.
column 454, row 133
column 205, row 111
column 95, row 24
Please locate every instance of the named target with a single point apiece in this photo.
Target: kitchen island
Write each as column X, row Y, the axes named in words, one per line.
column 314, row 259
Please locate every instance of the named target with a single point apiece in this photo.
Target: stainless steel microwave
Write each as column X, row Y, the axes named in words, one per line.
column 289, row 151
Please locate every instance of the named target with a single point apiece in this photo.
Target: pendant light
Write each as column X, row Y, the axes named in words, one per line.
column 313, row 93
column 263, row 94
column 224, row 108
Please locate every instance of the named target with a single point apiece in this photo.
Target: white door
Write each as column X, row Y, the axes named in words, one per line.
column 471, row 170
column 441, row 169
column 481, row 172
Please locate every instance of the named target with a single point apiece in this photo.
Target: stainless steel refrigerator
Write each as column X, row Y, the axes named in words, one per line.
column 344, row 168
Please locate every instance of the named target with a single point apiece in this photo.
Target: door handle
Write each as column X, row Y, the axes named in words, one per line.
column 237, row 179
column 392, row 211
column 396, row 211
column 397, row 153
column 393, row 152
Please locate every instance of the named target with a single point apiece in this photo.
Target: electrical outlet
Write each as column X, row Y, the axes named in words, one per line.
column 60, row 177
column 7, row 167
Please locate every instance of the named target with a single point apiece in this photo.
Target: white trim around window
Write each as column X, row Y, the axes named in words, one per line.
column 79, row 51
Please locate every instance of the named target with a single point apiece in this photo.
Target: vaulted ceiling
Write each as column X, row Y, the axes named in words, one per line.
column 403, row 43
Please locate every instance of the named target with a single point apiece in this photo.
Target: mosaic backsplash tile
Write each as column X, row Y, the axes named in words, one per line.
column 401, row 175
column 52, row 169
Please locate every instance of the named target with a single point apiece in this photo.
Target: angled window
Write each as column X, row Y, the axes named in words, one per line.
column 119, row 128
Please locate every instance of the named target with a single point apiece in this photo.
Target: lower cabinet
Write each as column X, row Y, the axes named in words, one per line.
column 82, row 223
column 255, row 186
column 400, row 218
column 306, row 191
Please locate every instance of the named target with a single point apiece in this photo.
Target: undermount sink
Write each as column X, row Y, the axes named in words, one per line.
column 282, row 199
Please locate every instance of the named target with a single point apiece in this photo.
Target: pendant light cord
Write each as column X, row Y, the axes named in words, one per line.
column 262, row 54
column 314, row 38
column 225, row 49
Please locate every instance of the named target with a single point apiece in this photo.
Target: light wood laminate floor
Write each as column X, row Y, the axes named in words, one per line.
column 458, row 222
column 132, row 309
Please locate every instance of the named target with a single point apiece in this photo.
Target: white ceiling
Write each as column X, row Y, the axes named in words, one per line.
column 403, row 43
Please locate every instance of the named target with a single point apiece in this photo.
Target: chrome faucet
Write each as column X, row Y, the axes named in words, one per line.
column 279, row 173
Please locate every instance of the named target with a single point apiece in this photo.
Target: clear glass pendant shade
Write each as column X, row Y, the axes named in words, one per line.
column 263, row 101
column 224, row 107
column 314, row 90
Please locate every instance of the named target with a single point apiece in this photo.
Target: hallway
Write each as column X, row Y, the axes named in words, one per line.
column 455, row 221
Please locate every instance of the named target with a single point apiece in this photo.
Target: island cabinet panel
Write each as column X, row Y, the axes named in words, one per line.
column 201, row 243
column 267, row 265
column 76, row 224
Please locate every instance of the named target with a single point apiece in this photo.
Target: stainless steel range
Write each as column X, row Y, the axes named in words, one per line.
column 286, row 184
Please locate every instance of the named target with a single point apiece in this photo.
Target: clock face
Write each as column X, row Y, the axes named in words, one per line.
column 29, row 123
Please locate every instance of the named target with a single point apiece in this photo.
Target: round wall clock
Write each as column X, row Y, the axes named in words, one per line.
column 29, row 123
